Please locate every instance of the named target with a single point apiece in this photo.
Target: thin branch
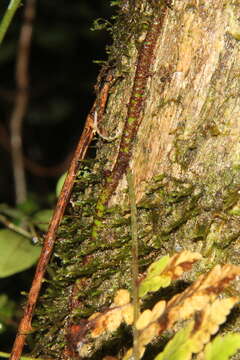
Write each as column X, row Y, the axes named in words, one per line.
column 21, row 102
column 6, row 355
column 84, row 142
column 135, row 270
column 14, row 227
column 6, row 21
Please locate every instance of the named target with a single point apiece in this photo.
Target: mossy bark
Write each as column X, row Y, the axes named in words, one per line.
column 186, row 163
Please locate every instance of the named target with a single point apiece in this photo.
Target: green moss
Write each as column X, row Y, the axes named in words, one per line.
column 86, row 269
column 173, row 213
column 131, row 120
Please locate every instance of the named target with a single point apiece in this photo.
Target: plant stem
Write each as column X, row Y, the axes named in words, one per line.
column 7, row 355
column 135, row 270
column 21, row 101
column 80, row 152
column 12, row 8
column 14, row 227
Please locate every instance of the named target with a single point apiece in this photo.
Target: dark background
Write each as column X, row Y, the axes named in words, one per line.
column 63, row 74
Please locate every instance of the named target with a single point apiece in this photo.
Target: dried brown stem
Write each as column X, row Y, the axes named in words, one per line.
column 85, row 140
column 21, row 101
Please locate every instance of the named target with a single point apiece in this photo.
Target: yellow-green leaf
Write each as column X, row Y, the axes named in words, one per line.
column 222, row 347
column 16, row 253
column 42, row 218
column 153, row 284
column 60, row 183
column 157, row 267
column 178, row 347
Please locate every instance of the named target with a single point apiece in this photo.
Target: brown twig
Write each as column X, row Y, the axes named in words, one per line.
column 85, row 140
column 21, row 102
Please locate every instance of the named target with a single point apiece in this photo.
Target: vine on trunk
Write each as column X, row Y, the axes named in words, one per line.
column 134, row 115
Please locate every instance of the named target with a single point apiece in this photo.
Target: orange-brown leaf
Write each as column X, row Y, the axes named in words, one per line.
column 207, row 322
column 122, row 297
column 203, row 291
column 180, row 263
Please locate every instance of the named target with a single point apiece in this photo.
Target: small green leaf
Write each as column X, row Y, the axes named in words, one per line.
column 178, row 348
column 153, row 284
column 154, row 281
column 60, row 183
column 42, row 218
column 222, row 347
column 16, row 253
column 157, row 267
column 7, row 308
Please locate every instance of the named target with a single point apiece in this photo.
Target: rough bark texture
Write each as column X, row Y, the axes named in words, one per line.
column 186, row 161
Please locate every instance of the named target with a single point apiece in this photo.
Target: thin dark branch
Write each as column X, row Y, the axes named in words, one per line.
column 21, row 101
column 85, row 139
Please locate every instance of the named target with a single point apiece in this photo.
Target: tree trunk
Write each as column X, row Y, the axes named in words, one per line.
column 185, row 157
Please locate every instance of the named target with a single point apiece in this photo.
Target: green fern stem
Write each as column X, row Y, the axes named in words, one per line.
column 6, row 21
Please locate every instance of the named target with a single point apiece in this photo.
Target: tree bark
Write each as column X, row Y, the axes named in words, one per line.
column 185, row 159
